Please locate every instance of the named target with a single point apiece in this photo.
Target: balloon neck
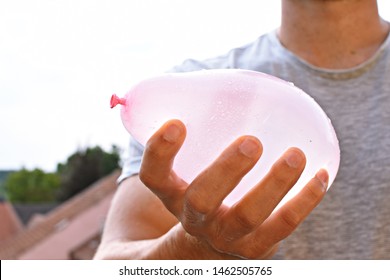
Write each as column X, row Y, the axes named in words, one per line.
column 115, row 100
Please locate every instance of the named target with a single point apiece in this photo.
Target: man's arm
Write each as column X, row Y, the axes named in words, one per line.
column 139, row 226
column 135, row 221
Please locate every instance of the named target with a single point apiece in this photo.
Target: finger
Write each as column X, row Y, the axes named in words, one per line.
column 206, row 193
column 261, row 200
column 285, row 220
column 156, row 168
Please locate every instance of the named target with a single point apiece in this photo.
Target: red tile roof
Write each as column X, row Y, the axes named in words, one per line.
column 59, row 218
column 9, row 221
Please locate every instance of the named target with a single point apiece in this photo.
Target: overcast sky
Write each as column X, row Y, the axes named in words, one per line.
column 60, row 61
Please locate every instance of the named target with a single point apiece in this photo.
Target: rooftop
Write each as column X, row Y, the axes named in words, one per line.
column 68, row 230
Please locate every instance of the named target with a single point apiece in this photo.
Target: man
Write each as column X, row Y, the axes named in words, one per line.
column 338, row 52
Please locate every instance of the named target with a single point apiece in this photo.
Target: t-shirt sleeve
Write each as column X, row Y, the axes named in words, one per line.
column 132, row 160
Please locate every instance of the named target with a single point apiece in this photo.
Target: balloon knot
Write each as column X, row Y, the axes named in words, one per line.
column 115, row 100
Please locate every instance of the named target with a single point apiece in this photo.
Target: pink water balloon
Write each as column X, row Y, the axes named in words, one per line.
column 218, row 106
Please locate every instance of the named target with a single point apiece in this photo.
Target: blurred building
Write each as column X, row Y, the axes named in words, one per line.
column 70, row 231
column 10, row 224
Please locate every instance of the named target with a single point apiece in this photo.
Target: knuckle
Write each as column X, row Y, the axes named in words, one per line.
column 314, row 193
column 190, row 224
column 282, row 177
column 291, row 219
column 232, row 165
column 146, row 178
column 227, row 167
column 153, row 150
column 196, row 203
column 244, row 220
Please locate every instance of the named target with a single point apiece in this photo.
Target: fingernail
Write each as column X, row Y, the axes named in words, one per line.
column 323, row 177
column 172, row 133
column 293, row 159
column 249, row 148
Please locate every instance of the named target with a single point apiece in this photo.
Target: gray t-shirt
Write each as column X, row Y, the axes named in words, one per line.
column 353, row 220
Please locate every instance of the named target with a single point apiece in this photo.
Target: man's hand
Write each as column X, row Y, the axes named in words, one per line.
column 249, row 229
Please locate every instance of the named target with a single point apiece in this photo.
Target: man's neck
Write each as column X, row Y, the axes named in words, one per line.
column 334, row 34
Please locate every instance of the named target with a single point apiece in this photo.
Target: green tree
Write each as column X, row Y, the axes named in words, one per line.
column 84, row 168
column 31, row 186
column 3, row 176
